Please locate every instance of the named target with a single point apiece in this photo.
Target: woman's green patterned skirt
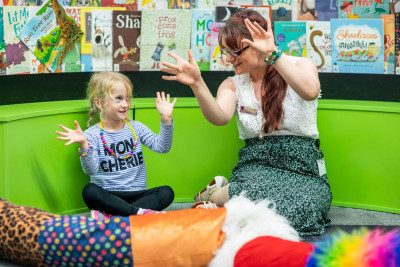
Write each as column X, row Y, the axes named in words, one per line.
column 285, row 170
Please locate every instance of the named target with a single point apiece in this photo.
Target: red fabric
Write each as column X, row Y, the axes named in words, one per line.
column 272, row 252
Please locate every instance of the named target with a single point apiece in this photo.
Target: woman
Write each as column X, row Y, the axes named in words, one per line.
column 275, row 99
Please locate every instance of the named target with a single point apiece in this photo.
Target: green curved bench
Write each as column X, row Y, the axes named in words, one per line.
column 360, row 140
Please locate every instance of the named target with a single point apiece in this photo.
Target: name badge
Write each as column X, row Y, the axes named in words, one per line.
column 321, row 167
column 252, row 111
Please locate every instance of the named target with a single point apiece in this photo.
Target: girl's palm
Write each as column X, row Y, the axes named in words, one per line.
column 70, row 135
column 163, row 105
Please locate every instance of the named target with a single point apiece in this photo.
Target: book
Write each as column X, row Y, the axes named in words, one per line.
column 306, row 10
column 397, row 43
column 265, row 11
column 363, row 9
column 164, row 31
column 200, row 37
column 181, row 4
column 326, row 9
column 1, row 25
column 152, row 4
column 50, row 34
column 217, row 60
column 72, row 61
column 3, row 58
column 205, row 4
column 233, row 2
column 86, row 41
column 357, row 46
column 394, row 6
column 128, row 4
column 318, row 38
column 281, row 10
column 126, row 40
column 17, row 54
column 290, row 36
column 223, row 13
column 102, row 40
column 86, row 3
column 388, row 42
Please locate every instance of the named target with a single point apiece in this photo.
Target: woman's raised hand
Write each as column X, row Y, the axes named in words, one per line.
column 72, row 136
column 186, row 72
column 263, row 41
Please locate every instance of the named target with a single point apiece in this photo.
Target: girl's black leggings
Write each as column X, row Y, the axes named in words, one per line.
column 125, row 203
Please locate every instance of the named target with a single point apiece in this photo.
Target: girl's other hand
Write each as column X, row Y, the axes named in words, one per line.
column 164, row 107
column 186, row 72
column 73, row 136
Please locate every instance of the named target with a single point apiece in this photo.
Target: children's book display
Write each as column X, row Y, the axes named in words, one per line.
column 128, row 4
column 305, row 10
column 318, row 43
column 205, row 4
column 291, row 37
column 102, row 40
column 397, row 44
column 200, row 37
column 223, row 13
column 152, row 4
column 357, row 46
column 164, row 31
column 126, row 40
column 50, row 34
column 181, row 4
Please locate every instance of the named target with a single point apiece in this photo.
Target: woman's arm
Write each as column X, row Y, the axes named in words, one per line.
column 302, row 76
column 218, row 112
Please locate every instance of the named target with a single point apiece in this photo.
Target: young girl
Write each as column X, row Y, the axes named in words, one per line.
column 111, row 151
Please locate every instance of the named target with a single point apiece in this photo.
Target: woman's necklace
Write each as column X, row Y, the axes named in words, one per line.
column 110, row 150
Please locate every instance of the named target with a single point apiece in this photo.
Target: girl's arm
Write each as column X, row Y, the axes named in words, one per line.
column 160, row 143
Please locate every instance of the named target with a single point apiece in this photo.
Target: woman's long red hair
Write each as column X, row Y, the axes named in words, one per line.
column 274, row 87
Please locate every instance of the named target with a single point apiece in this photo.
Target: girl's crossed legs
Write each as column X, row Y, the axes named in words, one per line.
column 125, row 203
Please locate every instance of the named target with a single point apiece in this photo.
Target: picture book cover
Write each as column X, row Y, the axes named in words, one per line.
column 65, row 3
column 223, row 13
column 86, row 3
column 363, row 9
column 318, row 38
column 2, row 58
column 388, row 42
column 102, row 40
column 306, row 10
column 394, row 6
column 72, row 61
column 291, row 37
column 357, row 46
column 128, row 4
column 217, row 60
column 17, row 54
column 152, row 4
column 205, row 4
column 200, row 37
column 281, row 9
column 326, row 9
column 30, row 2
column 265, row 11
column 86, row 41
column 181, row 4
column 126, row 40
column 234, row 2
column 397, row 44
column 43, row 35
column 163, row 31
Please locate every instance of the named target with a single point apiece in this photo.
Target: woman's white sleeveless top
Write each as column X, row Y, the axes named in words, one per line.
column 300, row 116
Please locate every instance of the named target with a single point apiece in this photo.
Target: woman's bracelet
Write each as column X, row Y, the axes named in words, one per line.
column 273, row 57
column 83, row 154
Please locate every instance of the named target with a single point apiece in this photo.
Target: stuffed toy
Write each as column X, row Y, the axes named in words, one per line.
column 242, row 233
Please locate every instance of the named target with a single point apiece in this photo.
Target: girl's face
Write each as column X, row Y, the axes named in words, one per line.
column 117, row 107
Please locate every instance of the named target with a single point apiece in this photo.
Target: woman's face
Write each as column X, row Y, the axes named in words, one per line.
column 246, row 62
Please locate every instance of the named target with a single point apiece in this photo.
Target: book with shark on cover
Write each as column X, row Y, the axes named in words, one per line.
column 372, row 9
column 50, row 34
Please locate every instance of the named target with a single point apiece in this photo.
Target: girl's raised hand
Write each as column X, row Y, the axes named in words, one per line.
column 164, row 107
column 72, row 136
column 263, row 41
column 186, row 72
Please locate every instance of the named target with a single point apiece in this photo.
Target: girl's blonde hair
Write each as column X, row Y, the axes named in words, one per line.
column 100, row 86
